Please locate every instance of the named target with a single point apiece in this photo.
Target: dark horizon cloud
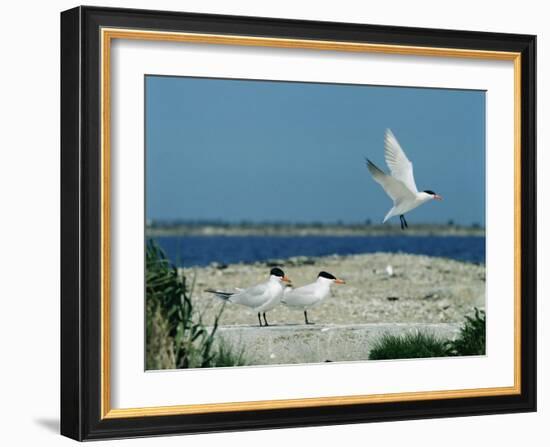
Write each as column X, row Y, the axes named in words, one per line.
column 237, row 150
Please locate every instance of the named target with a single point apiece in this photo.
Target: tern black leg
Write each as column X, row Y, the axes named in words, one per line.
column 405, row 222
column 265, row 320
column 260, row 319
column 305, row 315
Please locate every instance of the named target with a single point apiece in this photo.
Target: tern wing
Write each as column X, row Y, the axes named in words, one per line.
column 302, row 296
column 400, row 166
column 253, row 296
column 396, row 189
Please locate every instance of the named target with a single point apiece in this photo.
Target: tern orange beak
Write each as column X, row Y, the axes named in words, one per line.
column 438, row 197
column 286, row 279
column 339, row 281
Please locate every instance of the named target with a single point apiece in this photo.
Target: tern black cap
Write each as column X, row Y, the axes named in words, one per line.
column 326, row 275
column 276, row 271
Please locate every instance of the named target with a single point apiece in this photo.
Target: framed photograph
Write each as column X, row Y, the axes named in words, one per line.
column 276, row 223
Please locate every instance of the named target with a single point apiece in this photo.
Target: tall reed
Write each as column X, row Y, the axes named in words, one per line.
column 175, row 334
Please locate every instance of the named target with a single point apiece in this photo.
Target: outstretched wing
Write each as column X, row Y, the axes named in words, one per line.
column 393, row 187
column 400, row 166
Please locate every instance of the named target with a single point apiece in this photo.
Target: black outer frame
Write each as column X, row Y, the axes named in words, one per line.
column 80, row 223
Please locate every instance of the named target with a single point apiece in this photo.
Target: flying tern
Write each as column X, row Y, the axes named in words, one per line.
column 262, row 297
column 311, row 295
column 399, row 184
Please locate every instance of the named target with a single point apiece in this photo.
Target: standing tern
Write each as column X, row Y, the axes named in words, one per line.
column 311, row 295
column 262, row 297
column 399, row 184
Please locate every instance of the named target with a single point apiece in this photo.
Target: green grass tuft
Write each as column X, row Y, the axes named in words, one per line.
column 471, row 341
column 408, row 346
column 226, row 355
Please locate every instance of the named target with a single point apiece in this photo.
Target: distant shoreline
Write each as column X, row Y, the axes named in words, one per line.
column 312, row 230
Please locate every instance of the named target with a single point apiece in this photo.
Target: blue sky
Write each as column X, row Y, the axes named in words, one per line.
column 279, row 151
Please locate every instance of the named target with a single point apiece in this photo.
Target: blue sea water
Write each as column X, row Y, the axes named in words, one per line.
column 202, row 250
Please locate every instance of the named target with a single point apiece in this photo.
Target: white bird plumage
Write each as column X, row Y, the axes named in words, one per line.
column 260, row 298
column 400, row 166
column 310, row 295
column 399, row 184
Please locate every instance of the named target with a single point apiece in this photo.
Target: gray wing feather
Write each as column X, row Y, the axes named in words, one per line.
column 252, row 297
column 393, row 187
column 400, row 166
column 302, row 296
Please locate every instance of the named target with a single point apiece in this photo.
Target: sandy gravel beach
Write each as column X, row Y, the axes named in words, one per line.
column 422, row 289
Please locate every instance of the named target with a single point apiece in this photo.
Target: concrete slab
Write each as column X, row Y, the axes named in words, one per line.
column 290, row 344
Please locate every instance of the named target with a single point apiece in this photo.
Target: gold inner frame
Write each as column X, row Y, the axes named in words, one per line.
column 107, row 35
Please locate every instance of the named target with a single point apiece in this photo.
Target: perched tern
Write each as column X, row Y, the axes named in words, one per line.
column 262, row 297
column 399, row 184
column 311, row 295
